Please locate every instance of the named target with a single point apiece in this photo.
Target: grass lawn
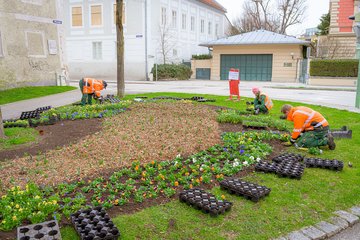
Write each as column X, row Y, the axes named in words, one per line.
column 17, row 136
column 291, row 205
column 23, row 93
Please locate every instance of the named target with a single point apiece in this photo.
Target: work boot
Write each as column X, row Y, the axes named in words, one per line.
column 331, row 142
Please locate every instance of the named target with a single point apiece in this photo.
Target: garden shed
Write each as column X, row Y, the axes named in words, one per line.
column 259, row 55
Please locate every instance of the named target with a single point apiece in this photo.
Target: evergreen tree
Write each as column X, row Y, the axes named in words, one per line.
column 324, row 24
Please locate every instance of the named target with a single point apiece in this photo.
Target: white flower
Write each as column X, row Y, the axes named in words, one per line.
column 236, row 160
column 178, row 156
column 252, row 158
column 194, row 160
column 235, row 164
column 176, row 162
column 258, row 159
column 201, row 169
column 245, row 163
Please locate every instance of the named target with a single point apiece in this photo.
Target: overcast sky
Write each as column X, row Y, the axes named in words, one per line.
column 316, row 8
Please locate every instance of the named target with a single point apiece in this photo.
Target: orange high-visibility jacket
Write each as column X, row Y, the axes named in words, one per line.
column 268, row 103
column 302, row 118
column 92, row 85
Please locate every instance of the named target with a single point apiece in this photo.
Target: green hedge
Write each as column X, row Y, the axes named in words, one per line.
column 334, row 68
column 201, row 56
column 172, row 71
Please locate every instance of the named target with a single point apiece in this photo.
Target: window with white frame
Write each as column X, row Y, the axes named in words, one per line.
column 76, row 16
column 174, row 19
column 209, row 28
column 1, row 47
column 163, row 16
column 96, row 15
column 183, row 21
column 192, row 23
column 123, row 13
column 202, row 25
column 97, row 50
column 216, row 29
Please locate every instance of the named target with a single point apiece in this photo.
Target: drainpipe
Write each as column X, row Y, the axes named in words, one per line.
column 146, row 44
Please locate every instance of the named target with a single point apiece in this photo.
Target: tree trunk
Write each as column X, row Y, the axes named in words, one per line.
column 2, row 133
column 120, row 49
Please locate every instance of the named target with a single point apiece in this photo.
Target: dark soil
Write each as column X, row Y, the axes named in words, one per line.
column 54, row 136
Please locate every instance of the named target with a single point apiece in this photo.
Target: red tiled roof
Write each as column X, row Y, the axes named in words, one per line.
column 214, row 4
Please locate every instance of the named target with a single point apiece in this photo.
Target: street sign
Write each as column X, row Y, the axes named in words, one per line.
column 57, row 21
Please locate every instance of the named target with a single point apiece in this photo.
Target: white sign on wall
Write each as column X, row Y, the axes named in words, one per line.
column 52, row 47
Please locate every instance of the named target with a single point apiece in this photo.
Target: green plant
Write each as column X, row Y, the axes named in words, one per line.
column 201, row 56
column 172, row 71
column 229, row 116
column 334, row 67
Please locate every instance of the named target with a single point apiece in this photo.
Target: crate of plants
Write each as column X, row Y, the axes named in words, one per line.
column 43, row 109
column 288, row 157
column 290, row 169
column 324, row 163
column 343, row 132
column 45, row 230
column 15, row 123
column 267, row 167
column 248, row 190
column 204, row 201
column 112, row 99
column 29, row 114
column 254, row 125
column 94, row 223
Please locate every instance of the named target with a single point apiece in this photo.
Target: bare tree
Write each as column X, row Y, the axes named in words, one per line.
column 120, row 49
column 167, row 42
column 265, row 14
column 2, row 133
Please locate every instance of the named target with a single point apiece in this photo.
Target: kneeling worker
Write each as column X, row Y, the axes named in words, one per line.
column 90, row 88
column 262, row 102
column 310, row 128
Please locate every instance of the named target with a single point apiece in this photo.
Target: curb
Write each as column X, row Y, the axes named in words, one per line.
column 326, row 229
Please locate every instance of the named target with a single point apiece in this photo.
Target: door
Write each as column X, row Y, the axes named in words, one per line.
column 253, row 67
column 203, row 73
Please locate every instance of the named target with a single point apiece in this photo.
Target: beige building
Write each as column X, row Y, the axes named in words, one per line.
column 260, row 56
column 29, row 43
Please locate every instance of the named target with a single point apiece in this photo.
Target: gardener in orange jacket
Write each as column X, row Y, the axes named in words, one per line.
column 262, row 102
column 90, row 88
column 310, row 128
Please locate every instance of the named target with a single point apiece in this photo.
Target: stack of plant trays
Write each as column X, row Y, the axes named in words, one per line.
column 94, row 224
column 288, row 157
column 290, row 169
column 111, row 99
column 43, row 109
column 267, row 167
column 204, row 201
column 324, row 163
column 30, row 114
column 45, row 230
column 248, row 190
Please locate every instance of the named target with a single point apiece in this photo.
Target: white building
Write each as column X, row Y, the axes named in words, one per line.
column 91, row 34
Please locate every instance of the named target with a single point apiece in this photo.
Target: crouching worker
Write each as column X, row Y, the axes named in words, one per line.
column 262, row 102
column 90, row 88
column 310, row 128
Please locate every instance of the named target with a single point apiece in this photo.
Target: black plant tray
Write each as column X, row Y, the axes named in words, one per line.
column 43, row 109
column 166, row 98
column 29, row 114
column 290, row 169
column 46, row 230
column 324, row 163
column 94, row 224
column 204, row 201
column 248, row 190
column 288, row 157
column 254, row 127
column 111, row 99
column 267, row 167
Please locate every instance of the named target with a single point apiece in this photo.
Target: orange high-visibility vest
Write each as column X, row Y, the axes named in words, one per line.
column 302, row 118
column 268, row 103
column 92, row 85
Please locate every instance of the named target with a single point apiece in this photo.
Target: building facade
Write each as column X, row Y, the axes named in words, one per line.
column 30, row 53
column 154, row 31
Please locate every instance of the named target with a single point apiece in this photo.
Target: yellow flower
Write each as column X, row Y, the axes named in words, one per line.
column 54, row 202
column 13, row 188
column 20, row 210
column 37, row 197
column 3, row 197
column 17, row 206
column 222, row 196
column 116, row 202
column 20, row 192
column 14, row 218
column 3, row 222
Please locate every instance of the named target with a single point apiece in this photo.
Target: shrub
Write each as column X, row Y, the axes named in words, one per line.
column 334, row 68
column 201, row 56
column 172, row 71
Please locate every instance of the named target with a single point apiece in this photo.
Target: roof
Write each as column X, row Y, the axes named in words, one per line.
column 214, row 4
column 255, row 38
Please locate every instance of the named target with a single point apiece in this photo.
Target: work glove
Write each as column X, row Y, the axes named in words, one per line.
column 292, row 141
column 257, row 111
column 282, row 117
column 249, row 103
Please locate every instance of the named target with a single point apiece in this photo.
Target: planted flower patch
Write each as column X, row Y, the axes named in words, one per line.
column 45, row 230
column 254, row 125
column 288, row 157
column 94, row 223
column 290, row 169
column 324, row 163
column 204, row 201
column 248, row 190
column 15, row 123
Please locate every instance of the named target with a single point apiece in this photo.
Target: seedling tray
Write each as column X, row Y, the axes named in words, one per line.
column 94, row 224
column 290, row 169
column 266, row 167
column 204, row 201
column 324, row 163
column 288, row 157
column 46, row 230
column 43, row 109
column 257, row 125
column 248, row 190
column 111, row 99
column 29, row 114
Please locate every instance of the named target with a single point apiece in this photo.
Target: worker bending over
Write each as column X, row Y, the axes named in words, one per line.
column 262, row 102
column 90, row 88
